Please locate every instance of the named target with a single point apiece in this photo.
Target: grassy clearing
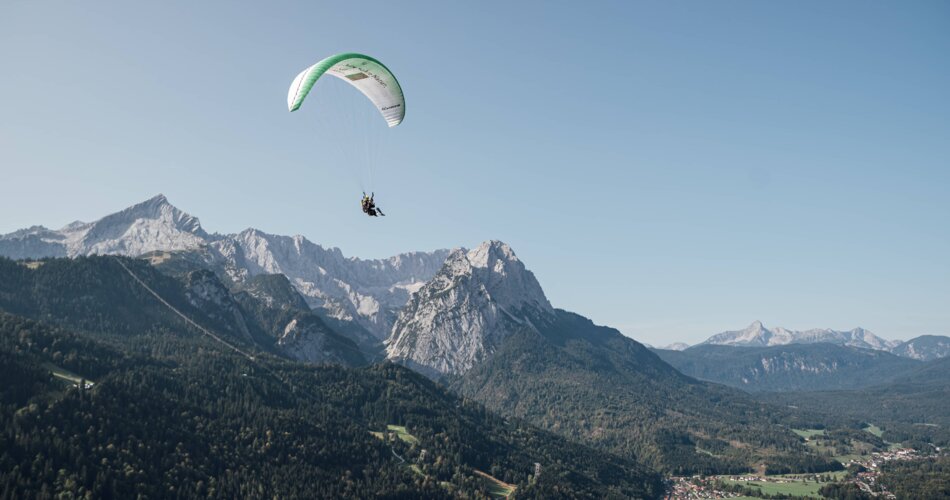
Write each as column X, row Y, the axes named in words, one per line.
column 159, row 258
column 836, row 475
column 403, row 434
column 792, row 488
column 877, row 431
column 873, row 429
column 34, row 265
column 496, row 487
column 856, row 452
column 809, row 433
column 847, row 458
column 67, row 375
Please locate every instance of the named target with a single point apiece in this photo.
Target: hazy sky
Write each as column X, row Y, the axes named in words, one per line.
column 672, row 169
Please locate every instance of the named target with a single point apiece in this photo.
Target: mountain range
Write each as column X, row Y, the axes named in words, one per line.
column 757, row 334
column 476, row 319
column 924, row 347
column 363, row 298
column 365, row 294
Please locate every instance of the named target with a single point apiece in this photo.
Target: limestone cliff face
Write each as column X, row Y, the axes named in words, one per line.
column 461, row 315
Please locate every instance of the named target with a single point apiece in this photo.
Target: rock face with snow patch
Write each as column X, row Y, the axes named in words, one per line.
column 924, row 348
column 368, row 292
column 756, row 335
column 476, row 300
column 146, row 227
column 33, row 243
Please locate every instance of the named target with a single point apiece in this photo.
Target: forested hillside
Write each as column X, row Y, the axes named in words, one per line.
column 913, row 409
column 117, row 397
column 594, row 384
column 102, row 296
column 801, row 367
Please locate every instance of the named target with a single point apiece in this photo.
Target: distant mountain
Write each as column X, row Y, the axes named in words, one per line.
column 148, row 226
column 757, row 335
column 676, row 346
column 363, row 295
column 924, row 348
column 792, row 367
column 462, row 315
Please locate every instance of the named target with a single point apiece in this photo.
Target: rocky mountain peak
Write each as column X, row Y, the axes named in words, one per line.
column 461, row 315
column 491, row 252
column 503, row 275
column 155, row 224
column 756, row 334
column 145, row 227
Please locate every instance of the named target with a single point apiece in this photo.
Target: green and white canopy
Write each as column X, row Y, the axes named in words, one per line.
column 368, row 75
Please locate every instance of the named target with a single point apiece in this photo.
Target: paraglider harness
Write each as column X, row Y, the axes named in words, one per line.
column 369, row 206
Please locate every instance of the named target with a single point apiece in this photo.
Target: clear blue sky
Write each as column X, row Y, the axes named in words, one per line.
column 672, row 169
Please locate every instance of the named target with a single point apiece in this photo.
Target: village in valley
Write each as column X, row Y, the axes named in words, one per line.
column 864, row 472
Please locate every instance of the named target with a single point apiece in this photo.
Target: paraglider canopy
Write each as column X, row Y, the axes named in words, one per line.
column 368, row 75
